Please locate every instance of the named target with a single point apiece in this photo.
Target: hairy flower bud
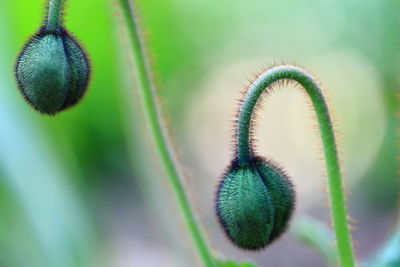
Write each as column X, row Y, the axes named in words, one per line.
column 254, row 203
column 52, row 71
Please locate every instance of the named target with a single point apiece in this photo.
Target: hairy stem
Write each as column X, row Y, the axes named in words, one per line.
column 53, row 19
column 160, row 137
column 335, row 187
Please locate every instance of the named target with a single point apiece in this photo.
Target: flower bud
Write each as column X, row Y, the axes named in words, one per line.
column 254, row 203
column 52, row 71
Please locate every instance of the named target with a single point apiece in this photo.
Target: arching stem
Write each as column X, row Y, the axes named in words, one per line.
column 335, row 186
column 53, row 19
column 159, row 135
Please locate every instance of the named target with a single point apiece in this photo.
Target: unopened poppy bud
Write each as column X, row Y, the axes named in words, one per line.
column 254, row 203
column 52, row 70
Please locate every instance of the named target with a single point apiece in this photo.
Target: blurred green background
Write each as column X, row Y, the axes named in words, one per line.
column 84, row 188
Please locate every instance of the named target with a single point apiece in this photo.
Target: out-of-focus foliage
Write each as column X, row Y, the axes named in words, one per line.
column 381, row 26
column 389, row 255
column 317, row 236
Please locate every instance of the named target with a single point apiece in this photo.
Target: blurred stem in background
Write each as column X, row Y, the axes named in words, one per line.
column 316, row 235
column 145, row 85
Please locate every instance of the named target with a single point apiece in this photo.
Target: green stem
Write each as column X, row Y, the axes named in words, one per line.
column 244, row 152
column 165, row 152
column 53, row 19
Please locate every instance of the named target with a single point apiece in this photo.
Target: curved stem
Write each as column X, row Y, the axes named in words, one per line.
column 159, row 134
column 245, row 153
column 53, row 19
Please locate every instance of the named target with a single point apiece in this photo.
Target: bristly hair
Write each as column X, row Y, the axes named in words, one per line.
column 234, row 165
column 46, row 11
column 66, row 33
column 62, row 33
column 265, row 94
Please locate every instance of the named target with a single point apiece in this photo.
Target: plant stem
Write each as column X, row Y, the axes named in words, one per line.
column 53, row 18
column 244, row 152
column 144, row 80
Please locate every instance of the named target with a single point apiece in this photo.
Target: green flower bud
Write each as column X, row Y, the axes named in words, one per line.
column 52, row 71
column 254, row 203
